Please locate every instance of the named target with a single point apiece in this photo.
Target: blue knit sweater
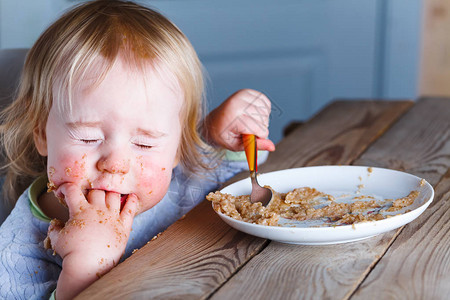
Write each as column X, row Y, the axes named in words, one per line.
column 28, row 271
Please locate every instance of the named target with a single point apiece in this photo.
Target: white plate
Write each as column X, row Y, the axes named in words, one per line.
column 335, row 180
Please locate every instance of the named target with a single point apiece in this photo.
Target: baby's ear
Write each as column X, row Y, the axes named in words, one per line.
column 40, row 140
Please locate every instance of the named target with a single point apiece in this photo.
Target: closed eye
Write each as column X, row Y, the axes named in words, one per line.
column 89, row 141
column 142, row 146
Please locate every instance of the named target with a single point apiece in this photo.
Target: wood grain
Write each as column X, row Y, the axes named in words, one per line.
column 418, row 261
column 417, row 265
column 191, row 258
column 283, row 271
column 417, row 143
column 337, row 135
column 198, row 254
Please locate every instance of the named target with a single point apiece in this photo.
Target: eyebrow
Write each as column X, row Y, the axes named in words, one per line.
column 83, row 124
column 142, row 131
column 151, row 133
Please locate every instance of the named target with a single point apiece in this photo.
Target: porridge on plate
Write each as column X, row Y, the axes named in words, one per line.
column 307, row 203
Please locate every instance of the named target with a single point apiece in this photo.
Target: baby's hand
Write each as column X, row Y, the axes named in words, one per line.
column 245, row 112
column 93, row 239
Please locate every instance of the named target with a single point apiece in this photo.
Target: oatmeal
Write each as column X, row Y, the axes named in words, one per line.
column 240, row 208
column 404, row 202
column 308, row 204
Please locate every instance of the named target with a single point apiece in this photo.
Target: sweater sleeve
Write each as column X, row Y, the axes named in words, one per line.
column 27, row 269
column 187, row 190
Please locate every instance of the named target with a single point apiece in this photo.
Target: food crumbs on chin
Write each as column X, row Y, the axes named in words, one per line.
column 109, row 246
column 51, row 187
column 68, row 171
column 163, row 169
column 51, row 171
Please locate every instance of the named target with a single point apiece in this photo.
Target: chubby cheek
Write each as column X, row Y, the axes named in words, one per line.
column 153, row 182
column 67, row 169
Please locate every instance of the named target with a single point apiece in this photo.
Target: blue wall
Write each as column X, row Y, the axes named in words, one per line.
column 302, row 54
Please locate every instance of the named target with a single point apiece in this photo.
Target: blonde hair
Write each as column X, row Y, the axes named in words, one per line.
column 86, row 40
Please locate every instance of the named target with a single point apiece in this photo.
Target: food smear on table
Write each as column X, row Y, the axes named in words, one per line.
column 306, row 203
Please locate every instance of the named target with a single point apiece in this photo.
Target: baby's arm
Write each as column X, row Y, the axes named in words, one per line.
column 93, row 239
column 245, row 112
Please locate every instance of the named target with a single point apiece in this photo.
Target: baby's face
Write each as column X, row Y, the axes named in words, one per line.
column 122, row 136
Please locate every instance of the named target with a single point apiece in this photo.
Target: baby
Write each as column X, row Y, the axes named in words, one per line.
column 105, row 132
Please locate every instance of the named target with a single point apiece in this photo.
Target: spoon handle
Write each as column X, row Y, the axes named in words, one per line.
column 249, row 141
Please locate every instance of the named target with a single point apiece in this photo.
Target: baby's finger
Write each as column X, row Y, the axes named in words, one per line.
column 96, row 198
column 72, row 196
column 265, row 144
column 258, row 111
column 54, row 229
column 254, row 96
column 112, row 201
column 259, row 100
column 129, row 210
column 249, row 125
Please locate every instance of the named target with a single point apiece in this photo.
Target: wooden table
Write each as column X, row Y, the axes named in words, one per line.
column 202, row 257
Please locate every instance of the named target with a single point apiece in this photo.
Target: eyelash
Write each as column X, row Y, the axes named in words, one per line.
column 89, row 141
column 144, row 146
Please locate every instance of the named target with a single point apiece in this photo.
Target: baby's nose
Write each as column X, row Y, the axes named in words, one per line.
column 114, row 164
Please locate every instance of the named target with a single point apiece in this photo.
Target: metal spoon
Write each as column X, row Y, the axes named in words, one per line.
column 259, row 193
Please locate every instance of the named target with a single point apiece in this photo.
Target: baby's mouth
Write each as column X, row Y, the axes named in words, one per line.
column 123, row 197
column 123, row 200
